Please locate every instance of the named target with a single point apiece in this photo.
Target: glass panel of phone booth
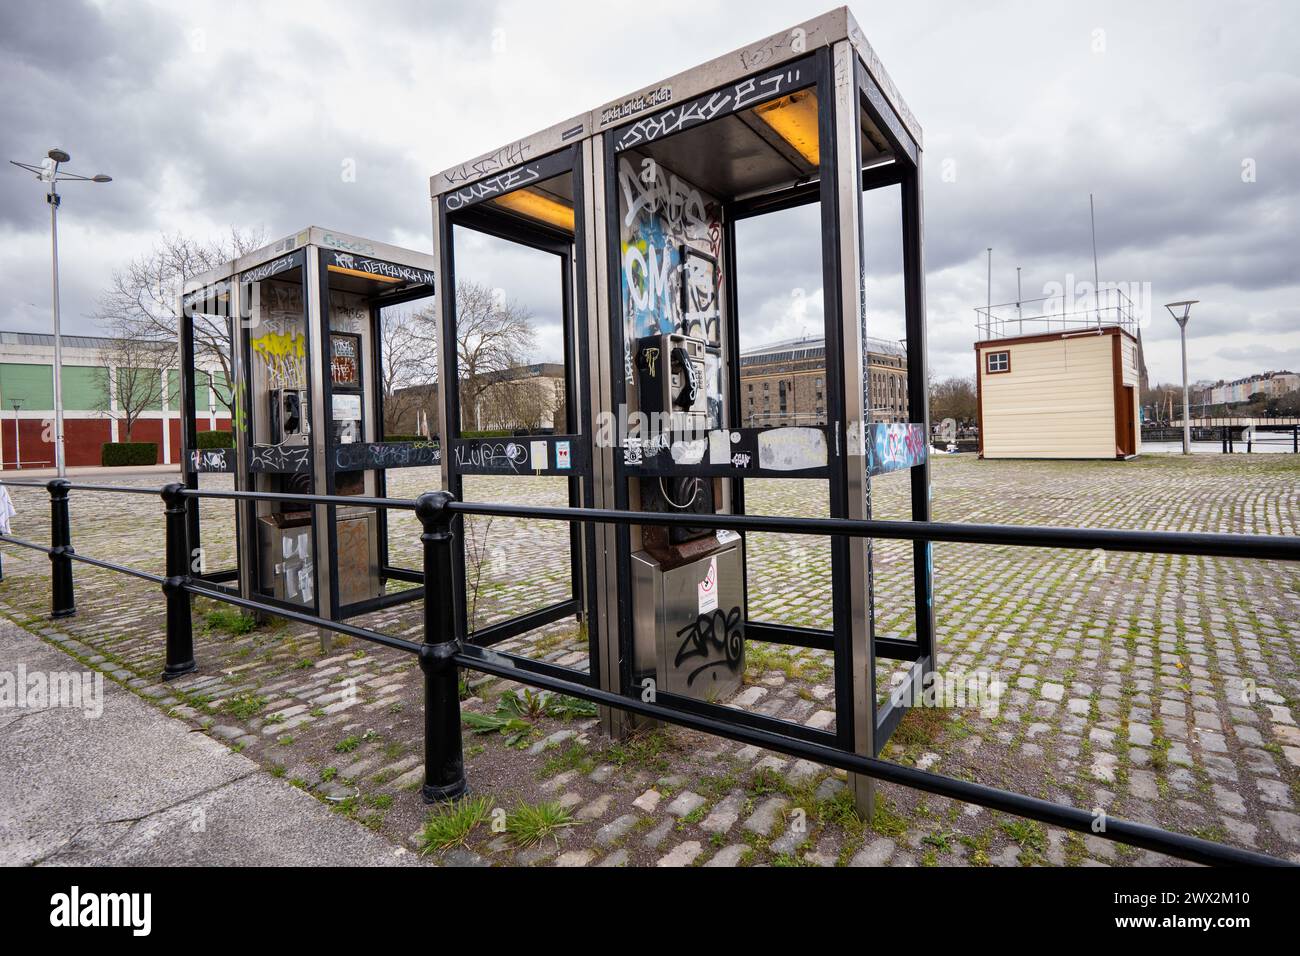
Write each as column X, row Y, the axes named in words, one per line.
column 781, row 338
column 890, row 561
column 349, row 346
column 279, row 429
column 355, row 377
column 408, row 393
column 209, row 354
column 514, row 261
column 513, row 339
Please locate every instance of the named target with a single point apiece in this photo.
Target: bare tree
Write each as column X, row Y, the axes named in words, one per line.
column 142, row 302
column 559, row 406
column 493, row 335
column 409, row 353
column 953, row 398
column 135, row 370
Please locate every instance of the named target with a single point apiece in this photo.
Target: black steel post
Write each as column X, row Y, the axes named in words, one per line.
column 444, row 763
column 180, row 635
column 64, row 601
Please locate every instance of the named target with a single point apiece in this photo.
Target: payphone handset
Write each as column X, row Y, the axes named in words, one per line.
column 686, row 383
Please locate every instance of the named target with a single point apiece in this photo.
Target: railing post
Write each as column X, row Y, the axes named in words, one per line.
column 64, row 602
column 444, row 762
column 180, row 635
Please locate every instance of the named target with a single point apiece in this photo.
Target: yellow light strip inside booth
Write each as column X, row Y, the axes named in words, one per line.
column 362, row 275
column 794, row 119
column 534, row 205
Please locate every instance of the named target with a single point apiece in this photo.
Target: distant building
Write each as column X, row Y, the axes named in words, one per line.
column 784, row 383
column 1267, row 384
column 525, row 398
column 90, row 415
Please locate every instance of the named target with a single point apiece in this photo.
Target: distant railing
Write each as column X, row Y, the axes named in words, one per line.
column 443, row 651
column 1055, row 314
column 1231, row 438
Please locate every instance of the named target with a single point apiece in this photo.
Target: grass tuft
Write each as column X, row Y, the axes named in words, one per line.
column 530, row 824
column 452, row 824
column 229, row 621
column 245, row 706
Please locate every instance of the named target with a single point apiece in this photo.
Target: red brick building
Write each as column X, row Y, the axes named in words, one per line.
column 90, row 415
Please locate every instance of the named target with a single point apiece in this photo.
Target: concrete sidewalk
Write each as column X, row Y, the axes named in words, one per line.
column 134, row 787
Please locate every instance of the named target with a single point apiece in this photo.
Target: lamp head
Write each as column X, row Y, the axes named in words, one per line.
column 58, row 155
column 1181, row 310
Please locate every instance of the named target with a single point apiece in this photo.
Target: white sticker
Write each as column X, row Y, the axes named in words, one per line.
column 688, row 452
column 346, row 408
column 537, row 451
column 708, row 588
column 792, row 449
column 562, row 460
column 719, row 448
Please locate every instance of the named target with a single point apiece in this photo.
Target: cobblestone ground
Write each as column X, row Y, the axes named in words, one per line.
column 1156, row 688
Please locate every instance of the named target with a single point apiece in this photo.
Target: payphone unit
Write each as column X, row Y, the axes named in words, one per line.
column 687, row 583
column 288, row 417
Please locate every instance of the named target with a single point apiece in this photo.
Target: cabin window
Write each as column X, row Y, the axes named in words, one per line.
column 998, row 362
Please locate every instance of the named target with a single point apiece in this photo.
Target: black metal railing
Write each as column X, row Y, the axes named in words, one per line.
column 1231, row 438
column 443, row 651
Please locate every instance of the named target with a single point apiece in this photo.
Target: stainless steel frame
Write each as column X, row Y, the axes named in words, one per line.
column 310, row 246
column 862, row 121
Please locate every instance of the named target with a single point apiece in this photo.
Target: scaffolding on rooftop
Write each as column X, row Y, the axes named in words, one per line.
column 1057, row 314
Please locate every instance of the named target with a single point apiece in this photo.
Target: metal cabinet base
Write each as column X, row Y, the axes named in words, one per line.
column 358, row 555
column 688, row 622
column 288, row 571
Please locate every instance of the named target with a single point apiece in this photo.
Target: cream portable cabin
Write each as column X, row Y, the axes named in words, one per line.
column 1055, row 383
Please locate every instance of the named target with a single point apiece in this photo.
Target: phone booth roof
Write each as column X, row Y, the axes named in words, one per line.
column 740, row 65
column 421, row 265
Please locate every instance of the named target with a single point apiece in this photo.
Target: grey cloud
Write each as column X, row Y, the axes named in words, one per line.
column 1157, row 129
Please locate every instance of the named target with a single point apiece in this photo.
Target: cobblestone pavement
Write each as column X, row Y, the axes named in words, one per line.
column 1156, row 688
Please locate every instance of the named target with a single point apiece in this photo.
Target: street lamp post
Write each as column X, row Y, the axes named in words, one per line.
column 18, row 441
column 48, row 172
column 1180, row 311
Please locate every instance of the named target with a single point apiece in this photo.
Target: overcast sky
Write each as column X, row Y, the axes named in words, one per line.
column 1182, row 118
